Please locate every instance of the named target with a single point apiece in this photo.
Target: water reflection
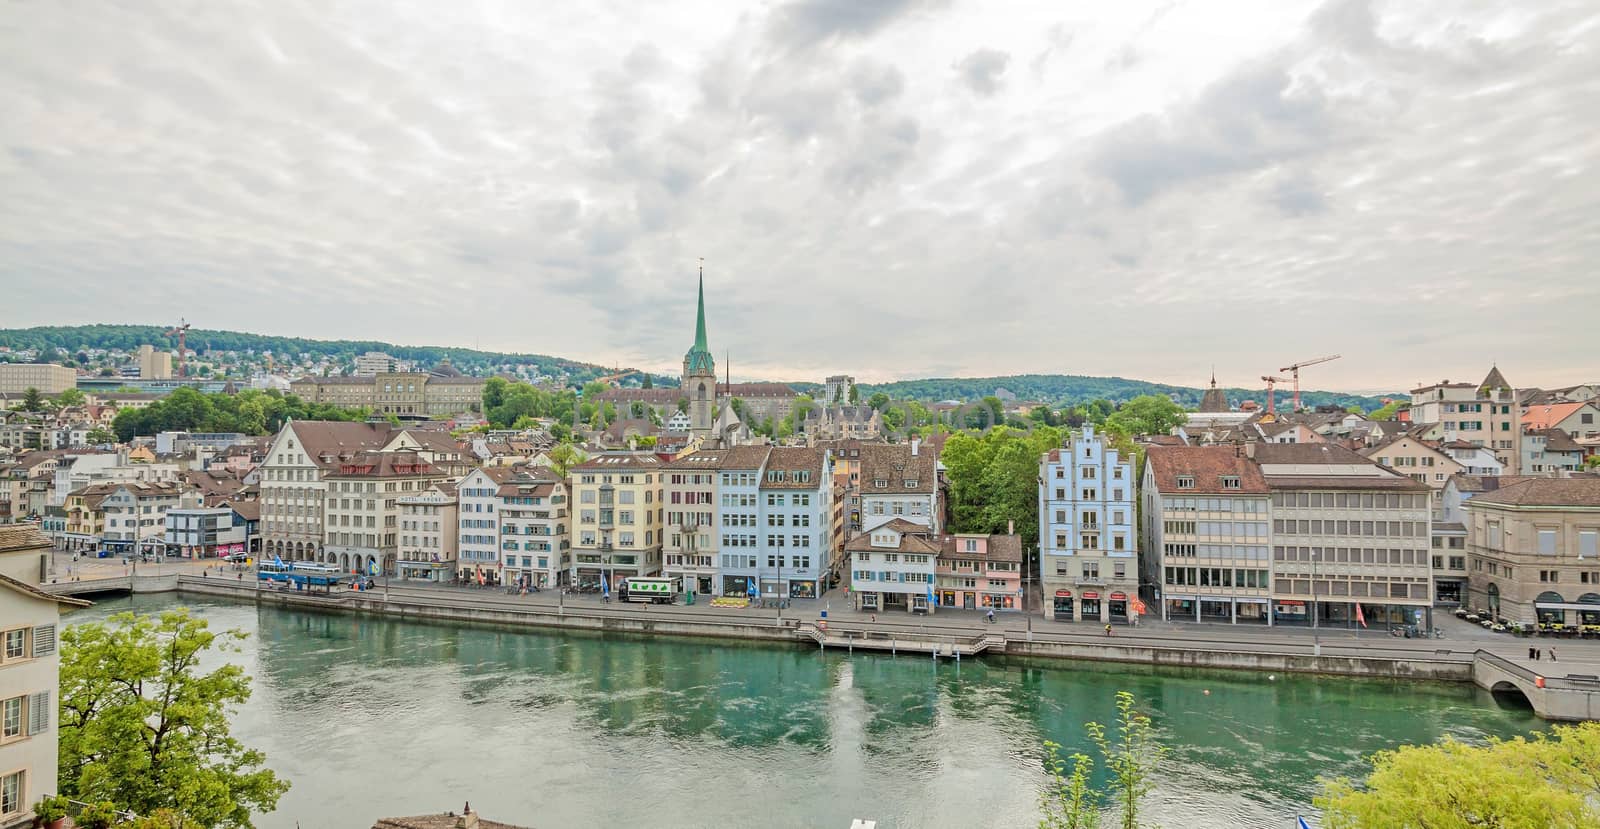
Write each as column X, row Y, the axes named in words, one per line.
column 370, row 717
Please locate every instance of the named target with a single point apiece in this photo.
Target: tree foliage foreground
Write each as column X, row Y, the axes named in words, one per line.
column 145, row 726
column 1549, row 781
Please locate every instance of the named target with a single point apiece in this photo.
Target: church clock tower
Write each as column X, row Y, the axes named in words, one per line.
column 700, row 374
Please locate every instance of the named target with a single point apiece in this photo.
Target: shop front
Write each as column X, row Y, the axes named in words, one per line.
column 1216, row 610
column 806, row 589
column 1291, row 612
column 434, row 571
column 1118, row 605
column 1180, row 608
column 703, row 584
column 1449, row 591
column 1551, row 609
column 1062, row 606
column 737, row 586
column 1089, row 607
column 997, row 601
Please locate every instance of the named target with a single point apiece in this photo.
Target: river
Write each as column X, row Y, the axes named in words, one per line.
column 374, row 718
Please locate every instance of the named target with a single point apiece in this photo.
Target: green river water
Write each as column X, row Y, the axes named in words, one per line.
column 371, row 718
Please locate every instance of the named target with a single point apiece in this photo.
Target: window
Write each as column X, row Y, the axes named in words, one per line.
column 1587, row 543
column 1230, row 481
column 11, row 718
column 11, row 793
column 1186, row 482
column 1547, row 542
column 16, row 644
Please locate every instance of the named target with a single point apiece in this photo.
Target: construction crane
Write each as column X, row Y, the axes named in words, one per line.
column 1271, row 396
column 180, row 331
column 1296, row 369
column 616, row 379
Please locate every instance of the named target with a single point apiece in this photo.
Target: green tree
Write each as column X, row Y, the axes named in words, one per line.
column 994, row 479
column 1550, row 780
column 32, row 401
column 683, row 405
column 144, row 727
column 855, row 395
column 878, row 400
column 494, row 393
column 99, row 437
column 1388, row 410
column 70, row 397
column 1150, row 414
column 1132, row 755
column 1069, row 802
column 648, row 383
column 562, row 458
column 1592, row 462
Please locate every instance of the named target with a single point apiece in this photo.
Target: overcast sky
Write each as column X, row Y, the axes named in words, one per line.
column 890, row 189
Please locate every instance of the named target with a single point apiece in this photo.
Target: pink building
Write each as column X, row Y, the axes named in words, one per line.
column 977, row 572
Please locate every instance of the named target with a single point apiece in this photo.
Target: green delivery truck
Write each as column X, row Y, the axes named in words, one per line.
column 652, row 590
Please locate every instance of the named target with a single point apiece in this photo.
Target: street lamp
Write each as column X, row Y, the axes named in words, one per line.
column 1316, row 635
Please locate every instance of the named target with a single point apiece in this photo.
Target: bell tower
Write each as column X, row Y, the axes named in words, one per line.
column 700, row 372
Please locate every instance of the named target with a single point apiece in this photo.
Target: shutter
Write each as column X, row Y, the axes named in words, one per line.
column 44, row 640
column 39, row 713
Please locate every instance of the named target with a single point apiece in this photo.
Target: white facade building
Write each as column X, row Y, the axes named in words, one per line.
column 478, row 524
column 893, row 567
column 1088, row 553
column 534, row 545
column 901, row 481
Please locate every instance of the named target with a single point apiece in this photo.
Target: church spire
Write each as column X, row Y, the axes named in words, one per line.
column 700, row 316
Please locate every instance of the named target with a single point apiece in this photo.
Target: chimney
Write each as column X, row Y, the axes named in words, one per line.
column 916, row 443
column 468, row 819
column 1011, row 526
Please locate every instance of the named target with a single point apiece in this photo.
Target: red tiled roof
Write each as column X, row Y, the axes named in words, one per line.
column 1206, row 465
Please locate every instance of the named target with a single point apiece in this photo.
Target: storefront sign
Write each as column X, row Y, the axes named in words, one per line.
column 1119, row 597
column 1091, row 595
column 1063, row 594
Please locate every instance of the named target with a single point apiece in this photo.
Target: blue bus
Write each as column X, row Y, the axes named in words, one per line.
column 303, row 575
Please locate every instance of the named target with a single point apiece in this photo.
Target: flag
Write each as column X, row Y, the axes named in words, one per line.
column 277, row 559
column 1361, row 618
column 1300, row 822
column 750, row 587
column 372, row 567
column 931, row 602
column 605, row 586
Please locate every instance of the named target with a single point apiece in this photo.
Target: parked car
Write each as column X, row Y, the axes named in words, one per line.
column 237, row 558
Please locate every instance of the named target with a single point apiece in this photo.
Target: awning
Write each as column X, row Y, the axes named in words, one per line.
column 1592, row 608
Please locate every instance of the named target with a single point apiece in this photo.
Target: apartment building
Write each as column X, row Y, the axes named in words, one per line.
column 153, row 364
column 362, row 515
column 620, row 517
column 691, row 492
column 1550, row 452
column 901, row 481
column 478, row 531
column 1578, row 420
column 739, row 520
column 374, row 363
column 976, row 571
column 1483, row 414
column 201, row 531
column 1350, row 538
column 796, row 497
column 1088, row 553
column 123, row 517
column 535, row 547
column 49, row 379
column 894, row 566
column 1206, row 537
column 29, row 680
column 428, row 533
column 1534, row 550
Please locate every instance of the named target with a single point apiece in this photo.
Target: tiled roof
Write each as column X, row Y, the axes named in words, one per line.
column 27, row 589
column 1546, row 417
column 1580, row 491
column 746, row 457
column 794, row 459
column 618, row 460
column 1206, row 465
column 1486, row 483
column 914, row 538
column 1556, row 440
column 1001, row 548
column 325, row 441
column 15, row 537
column 701, row 459
column 376, row 464
column 1306, row 453
column 894, row 464
column 249, row 510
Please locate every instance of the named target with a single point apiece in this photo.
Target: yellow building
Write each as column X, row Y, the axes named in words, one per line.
column 49, row 379
column 407, row 394
column 619, row 517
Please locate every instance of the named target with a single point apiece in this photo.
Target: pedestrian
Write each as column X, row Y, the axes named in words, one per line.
column 241, row 575
column 1536, row 654
column 874, row 617
column 1533, row 653
column 1108, row 628
column 1552, row 654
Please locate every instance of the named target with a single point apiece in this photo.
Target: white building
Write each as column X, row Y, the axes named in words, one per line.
column 899, row 481
column 893, row 567
column 428, row 533
column 1207, row 535
column 534, row 545
column 796, row 495
column 374, row 363
column 739, row 514
column 478, row 524
column 29, row 677
column 1088, row 553
column 205, row 531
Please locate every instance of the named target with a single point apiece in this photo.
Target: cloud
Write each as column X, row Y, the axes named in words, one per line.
column 520, row 178
column 982, row 69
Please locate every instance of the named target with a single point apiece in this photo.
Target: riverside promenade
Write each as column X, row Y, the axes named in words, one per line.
column 1568, row 688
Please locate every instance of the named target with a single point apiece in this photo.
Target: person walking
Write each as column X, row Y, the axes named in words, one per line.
column 1108, row 628
column 1533, row 653
column 1552, row 654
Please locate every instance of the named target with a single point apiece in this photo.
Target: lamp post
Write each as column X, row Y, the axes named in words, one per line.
column 1316, row 635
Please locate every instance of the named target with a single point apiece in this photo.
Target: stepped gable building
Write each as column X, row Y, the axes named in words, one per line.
column 707, row 399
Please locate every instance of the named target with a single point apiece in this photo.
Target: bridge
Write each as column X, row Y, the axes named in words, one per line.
column 1569, row 697
column 113, row 584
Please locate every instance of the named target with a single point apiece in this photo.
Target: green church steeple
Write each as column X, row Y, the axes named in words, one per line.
column 698, row 360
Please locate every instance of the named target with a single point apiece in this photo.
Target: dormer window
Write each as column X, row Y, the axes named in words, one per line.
column 1186, row 482
column 880, row 483
column 1230, row 481
column 911, row 483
